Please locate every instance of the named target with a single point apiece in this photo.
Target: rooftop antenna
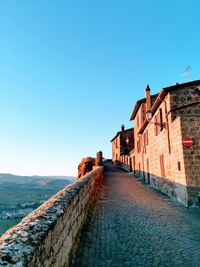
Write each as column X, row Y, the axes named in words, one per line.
column 188, row 73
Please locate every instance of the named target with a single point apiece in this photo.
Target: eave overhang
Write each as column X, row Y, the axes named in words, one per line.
column 161, row 97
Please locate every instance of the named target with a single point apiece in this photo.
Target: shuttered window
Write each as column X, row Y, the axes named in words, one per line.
column 138, row 146
column 158, row 122
column 146, row 141
column 162, row 166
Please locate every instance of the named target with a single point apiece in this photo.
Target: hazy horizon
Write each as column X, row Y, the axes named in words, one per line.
column 36, row 175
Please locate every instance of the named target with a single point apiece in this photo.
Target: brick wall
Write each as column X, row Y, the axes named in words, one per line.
column 162, row 156
column 163, row 161
column 49, row 235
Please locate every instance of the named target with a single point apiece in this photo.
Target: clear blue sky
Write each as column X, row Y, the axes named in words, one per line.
column 71, row 72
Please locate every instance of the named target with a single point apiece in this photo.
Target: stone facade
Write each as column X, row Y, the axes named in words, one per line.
column 159, row 156
column 122, row 144
column 49, row 235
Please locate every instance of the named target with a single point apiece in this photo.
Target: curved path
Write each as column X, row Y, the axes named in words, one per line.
column 134, row 225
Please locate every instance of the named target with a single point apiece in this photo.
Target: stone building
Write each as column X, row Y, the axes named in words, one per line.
column 122, row 144
column 161, row 122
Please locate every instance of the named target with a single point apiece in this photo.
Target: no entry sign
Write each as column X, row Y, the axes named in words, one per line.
column 187, row 141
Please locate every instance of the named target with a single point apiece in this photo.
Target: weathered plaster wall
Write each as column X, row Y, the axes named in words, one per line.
column 49, row 235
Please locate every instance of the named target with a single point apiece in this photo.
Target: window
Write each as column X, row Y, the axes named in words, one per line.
column 147, row 138
column 134, row 164
column 158, row 122
column 162, row 166
column 179, row 165
column 161, row 119
column 139, row 146
column 146, row 141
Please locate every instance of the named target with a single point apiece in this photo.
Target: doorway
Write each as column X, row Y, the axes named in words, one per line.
column 130, row 165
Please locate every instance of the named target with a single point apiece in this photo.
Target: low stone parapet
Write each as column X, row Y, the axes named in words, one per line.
column 49, row 235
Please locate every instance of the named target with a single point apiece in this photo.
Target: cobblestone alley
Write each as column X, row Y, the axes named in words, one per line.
column 134, row 225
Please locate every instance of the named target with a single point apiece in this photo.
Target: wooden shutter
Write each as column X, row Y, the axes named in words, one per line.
column 162, row 166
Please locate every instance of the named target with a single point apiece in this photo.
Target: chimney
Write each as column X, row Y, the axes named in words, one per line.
column 148, row 98
column 122, row 127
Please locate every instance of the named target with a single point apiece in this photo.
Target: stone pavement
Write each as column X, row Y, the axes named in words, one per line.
column 134, row 225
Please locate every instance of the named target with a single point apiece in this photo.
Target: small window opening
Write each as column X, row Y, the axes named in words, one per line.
column 179, row 165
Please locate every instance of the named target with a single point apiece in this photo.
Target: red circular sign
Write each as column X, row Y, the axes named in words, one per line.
column 187, row 141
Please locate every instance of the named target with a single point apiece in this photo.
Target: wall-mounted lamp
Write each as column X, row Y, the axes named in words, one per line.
column 149, row 116
column 127, row 140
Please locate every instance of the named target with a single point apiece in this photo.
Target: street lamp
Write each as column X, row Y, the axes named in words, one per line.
column 149, row 116
column 127, row 140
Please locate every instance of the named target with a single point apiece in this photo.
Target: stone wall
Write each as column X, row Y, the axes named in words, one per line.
column 191, row 127
column 50, row 234
column 162, row 160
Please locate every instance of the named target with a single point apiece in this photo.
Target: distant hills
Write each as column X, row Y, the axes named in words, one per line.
column 19, row 195
column 16, row 190
column 7, row 177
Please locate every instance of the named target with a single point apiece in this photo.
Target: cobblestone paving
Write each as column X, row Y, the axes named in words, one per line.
column 134, row 225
